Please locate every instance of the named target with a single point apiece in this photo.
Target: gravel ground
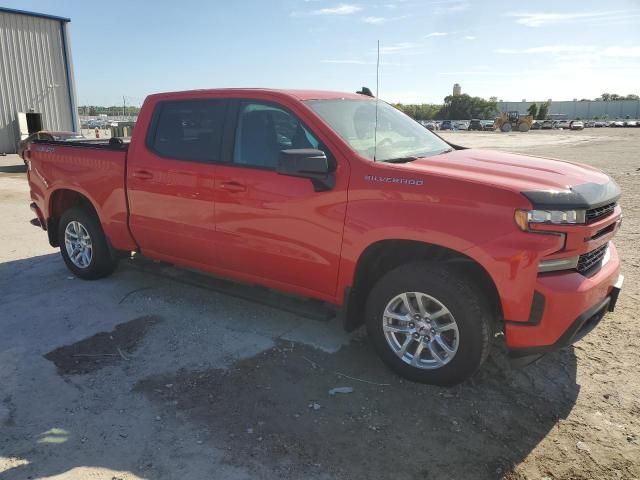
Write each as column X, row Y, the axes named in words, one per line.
column 153, row 374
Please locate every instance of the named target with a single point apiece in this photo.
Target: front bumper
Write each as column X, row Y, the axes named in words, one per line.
column 571, row 305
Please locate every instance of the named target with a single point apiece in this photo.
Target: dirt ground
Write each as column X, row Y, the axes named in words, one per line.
column 153, row 373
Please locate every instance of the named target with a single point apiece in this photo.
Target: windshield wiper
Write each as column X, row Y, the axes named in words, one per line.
column 400, row 159
column 411, row 158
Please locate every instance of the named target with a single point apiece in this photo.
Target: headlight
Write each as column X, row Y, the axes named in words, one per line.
column 558, row 217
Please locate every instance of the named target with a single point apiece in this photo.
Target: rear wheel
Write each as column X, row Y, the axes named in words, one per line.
column 429, row 323
column 523, row 127
column 83, row 245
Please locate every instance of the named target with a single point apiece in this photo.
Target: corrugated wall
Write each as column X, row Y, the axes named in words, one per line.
column 32, row 75
column 587, row 109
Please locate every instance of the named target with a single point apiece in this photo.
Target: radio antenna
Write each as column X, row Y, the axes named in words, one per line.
column 375, row 130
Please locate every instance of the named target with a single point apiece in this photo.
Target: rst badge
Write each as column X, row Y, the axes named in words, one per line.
column 44, row 148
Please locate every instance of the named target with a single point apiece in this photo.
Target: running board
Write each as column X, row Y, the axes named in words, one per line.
column 309, row 308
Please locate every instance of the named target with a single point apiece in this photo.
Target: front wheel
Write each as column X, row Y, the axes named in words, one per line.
column 83, row 245
column 429, row 323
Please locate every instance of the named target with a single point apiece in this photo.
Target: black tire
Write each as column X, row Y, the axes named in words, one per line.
column 102, row 263
column 459, row 295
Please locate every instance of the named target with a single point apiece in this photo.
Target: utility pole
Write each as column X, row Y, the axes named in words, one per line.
column 124, row 106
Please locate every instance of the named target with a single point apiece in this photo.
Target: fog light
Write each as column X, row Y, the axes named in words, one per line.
column 567, row 263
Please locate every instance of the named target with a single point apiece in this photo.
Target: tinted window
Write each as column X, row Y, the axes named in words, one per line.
column 264, row 130
column 188, row 130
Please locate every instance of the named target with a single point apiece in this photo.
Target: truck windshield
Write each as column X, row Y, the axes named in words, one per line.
column 398, row 137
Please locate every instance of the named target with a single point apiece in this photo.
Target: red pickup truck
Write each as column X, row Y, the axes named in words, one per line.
column 342, row 198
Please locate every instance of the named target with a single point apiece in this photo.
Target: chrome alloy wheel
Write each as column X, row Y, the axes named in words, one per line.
column 420, row 330
column 78, row 244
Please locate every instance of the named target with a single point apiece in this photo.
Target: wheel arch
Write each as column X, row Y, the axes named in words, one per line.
column 60, row 201
column 383, row 256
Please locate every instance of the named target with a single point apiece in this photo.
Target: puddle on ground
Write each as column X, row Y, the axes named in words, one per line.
column 102, row 349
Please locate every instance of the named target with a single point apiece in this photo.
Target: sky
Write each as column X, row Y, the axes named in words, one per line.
column 508, row 49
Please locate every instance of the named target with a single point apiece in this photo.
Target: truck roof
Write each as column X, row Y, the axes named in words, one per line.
column 300, row 95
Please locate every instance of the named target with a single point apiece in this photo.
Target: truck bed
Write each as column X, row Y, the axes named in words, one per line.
column 93, row 168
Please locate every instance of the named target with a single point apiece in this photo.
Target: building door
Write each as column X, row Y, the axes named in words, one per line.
column 29, row 123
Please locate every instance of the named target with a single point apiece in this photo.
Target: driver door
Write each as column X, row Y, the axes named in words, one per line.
column 271, row 228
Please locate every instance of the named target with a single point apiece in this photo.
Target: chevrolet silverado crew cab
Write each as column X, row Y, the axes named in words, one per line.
column 342, row 198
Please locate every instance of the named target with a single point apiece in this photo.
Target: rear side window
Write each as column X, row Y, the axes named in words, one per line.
column 264, row 130
column 188, row 130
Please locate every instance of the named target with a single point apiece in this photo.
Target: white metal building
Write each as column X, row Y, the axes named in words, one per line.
column 581, row 109
column 37, row 90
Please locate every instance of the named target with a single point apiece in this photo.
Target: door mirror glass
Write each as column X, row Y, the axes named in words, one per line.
column 307, row 163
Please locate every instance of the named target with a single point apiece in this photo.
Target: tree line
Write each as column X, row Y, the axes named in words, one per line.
column 114, row 111
column 454, row 107
column 457, row 107
column 609, row 97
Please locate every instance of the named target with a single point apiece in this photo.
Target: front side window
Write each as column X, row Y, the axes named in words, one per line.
column 265, row 130
column 188, row 130
column 396, row 137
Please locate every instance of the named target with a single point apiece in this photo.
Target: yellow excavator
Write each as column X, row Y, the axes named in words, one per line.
column 513, row 121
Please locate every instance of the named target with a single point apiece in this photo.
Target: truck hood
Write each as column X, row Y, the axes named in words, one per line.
column 545, row 182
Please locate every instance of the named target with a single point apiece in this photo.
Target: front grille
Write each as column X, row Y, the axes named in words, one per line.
column 604, row 231
column 596, row 213
column 590, row 262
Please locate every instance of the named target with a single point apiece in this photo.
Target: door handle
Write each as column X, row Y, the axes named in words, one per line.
column 233, row 187
column 142, row 174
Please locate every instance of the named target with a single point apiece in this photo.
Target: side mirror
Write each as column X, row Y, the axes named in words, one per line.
column 307, row 163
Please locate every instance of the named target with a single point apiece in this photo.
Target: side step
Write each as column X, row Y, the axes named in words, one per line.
column 309, row 308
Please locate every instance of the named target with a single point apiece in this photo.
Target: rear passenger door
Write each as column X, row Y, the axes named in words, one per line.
column 272, row 228
column 171, row 181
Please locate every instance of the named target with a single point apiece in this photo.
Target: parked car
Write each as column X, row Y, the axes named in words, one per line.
column 431, row 126
column 446, row 125
column 461, row 125
column 589, row 124
column 617, row 124
column 536, row 125
column 630, row 123
column 563, row 124
column 489, row 125
column 44, row 135
column 433, row 247
column 475, row 124
column 599, row 124
column 547, row 125
column 576, row 125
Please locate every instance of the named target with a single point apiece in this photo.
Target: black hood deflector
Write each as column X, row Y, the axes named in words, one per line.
column 584, row 196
